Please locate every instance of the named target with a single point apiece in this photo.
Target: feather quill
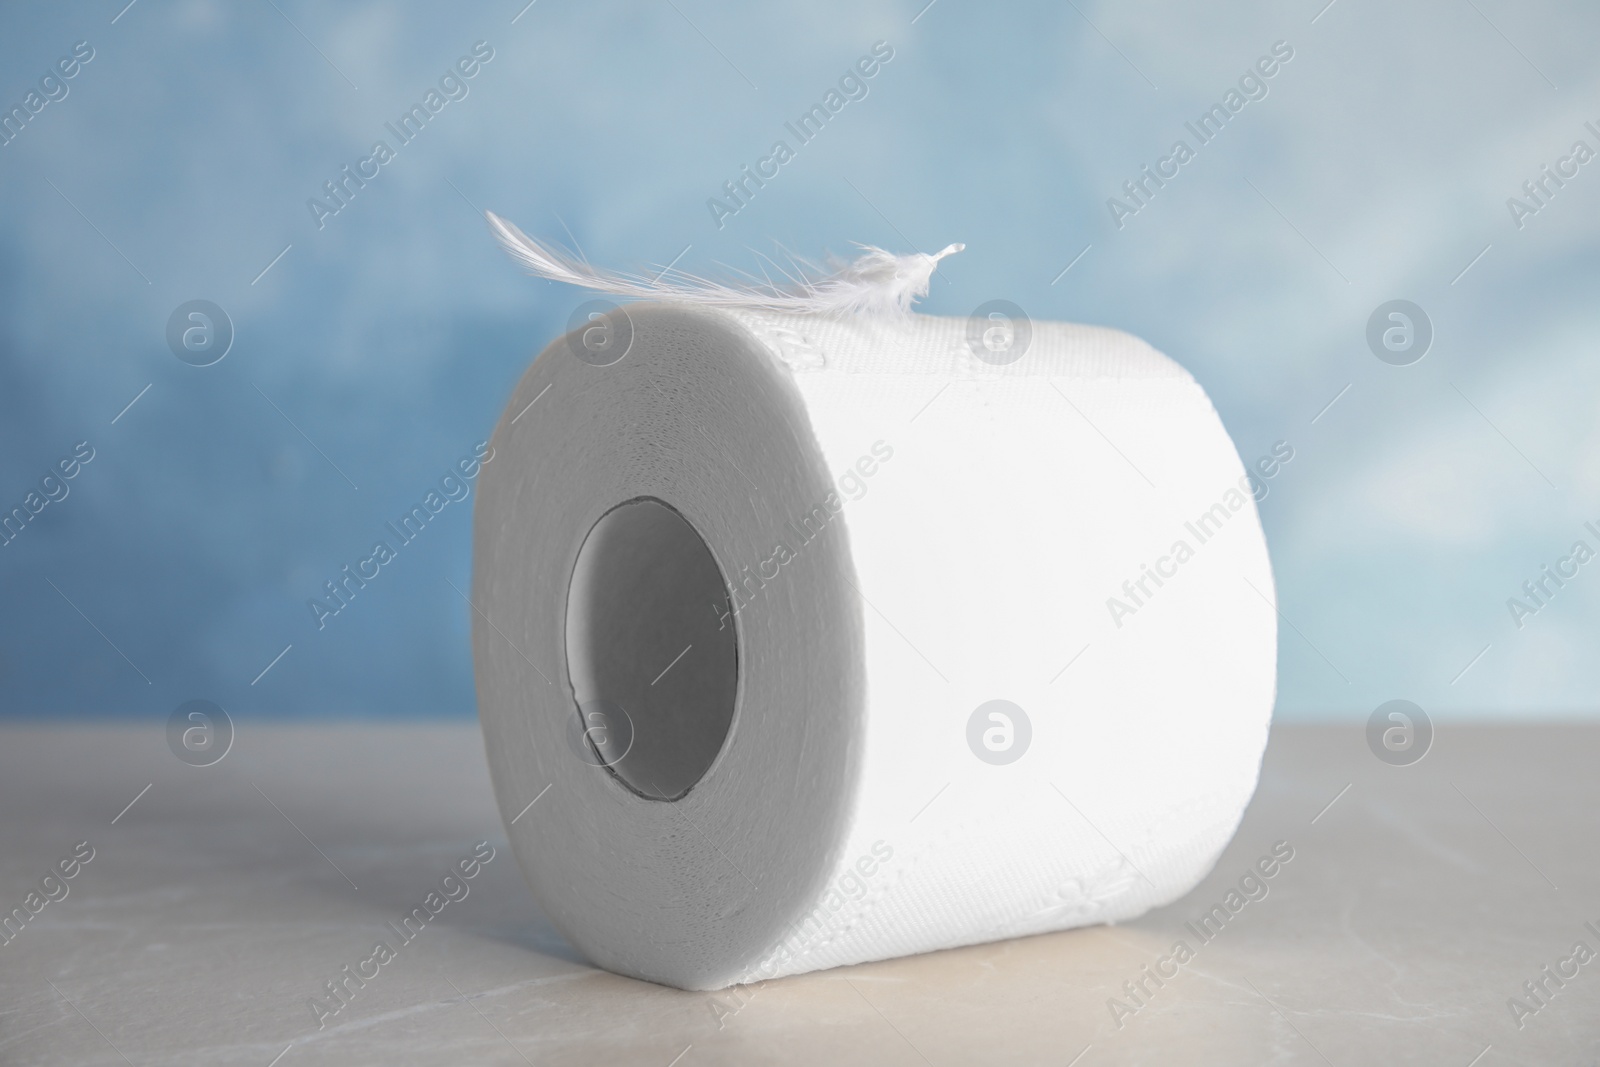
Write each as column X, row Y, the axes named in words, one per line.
column 875, row 282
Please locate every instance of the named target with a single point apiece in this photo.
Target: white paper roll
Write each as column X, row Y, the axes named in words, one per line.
column 780, row 568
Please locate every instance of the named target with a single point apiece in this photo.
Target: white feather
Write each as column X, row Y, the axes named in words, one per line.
column 876, row 282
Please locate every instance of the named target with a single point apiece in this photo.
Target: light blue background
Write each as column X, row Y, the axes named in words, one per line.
column 1377, row 167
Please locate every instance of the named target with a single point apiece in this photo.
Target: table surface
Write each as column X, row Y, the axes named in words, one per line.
column 1419, row 901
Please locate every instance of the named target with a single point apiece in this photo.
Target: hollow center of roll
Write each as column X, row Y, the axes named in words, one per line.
column 651, row 650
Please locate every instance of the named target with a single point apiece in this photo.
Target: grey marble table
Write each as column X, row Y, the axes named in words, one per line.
column 1422, row 904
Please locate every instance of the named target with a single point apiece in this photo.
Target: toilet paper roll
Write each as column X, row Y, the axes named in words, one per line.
column 803, row 641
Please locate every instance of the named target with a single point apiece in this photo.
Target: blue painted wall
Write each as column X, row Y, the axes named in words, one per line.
column 373, row 346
